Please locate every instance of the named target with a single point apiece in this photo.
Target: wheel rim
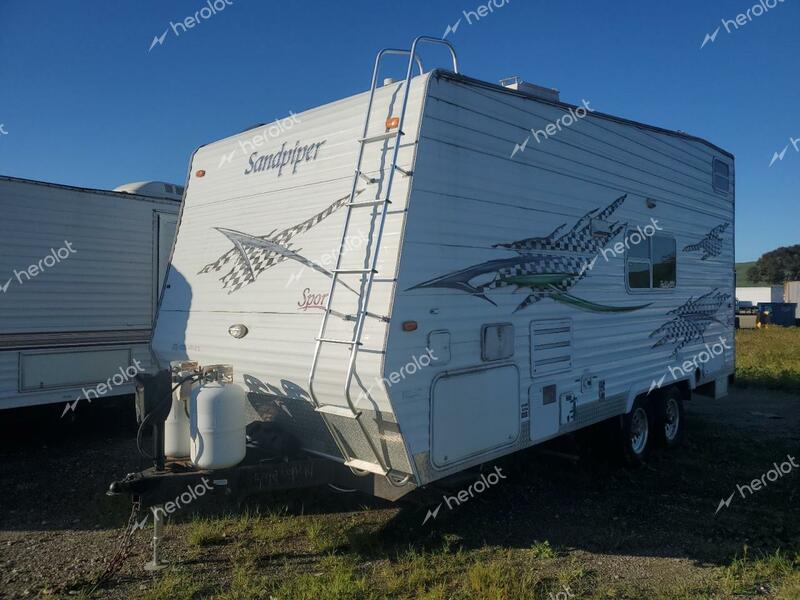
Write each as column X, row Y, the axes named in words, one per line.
column 639, row 431
column 672, row 419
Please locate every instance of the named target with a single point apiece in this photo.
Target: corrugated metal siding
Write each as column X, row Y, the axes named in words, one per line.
column 104, row 290
column 276, row 355
column 469, row 195
column 106, row 284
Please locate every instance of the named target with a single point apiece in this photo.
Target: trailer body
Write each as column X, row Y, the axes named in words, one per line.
column 80, row 271
column 539, row 268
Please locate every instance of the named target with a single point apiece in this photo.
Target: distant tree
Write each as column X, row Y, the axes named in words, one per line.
column 777, row 266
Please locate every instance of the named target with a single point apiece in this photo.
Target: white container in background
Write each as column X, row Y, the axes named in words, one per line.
column 176, row 427
column 217, row 425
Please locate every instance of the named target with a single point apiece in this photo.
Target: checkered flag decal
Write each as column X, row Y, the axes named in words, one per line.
column 251, row 255
column 711, row 244
column 691, row 320
column 546, row 266
column 571, row 269
column 579, row 239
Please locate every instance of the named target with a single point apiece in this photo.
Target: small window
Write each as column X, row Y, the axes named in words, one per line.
column 497, row 341
column 721, row 176
column 652, row 263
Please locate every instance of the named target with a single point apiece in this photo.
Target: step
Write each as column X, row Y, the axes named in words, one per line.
column 380, row 137
column 364, row 465
column 339, row 411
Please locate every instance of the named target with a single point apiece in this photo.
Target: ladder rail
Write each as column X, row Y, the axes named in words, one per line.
column 363, row 299
column 342, row 243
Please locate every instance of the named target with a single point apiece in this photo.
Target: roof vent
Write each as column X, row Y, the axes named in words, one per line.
column 154, row 189
column 537, row 91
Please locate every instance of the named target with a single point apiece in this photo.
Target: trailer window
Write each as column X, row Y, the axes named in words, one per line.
column 652, row 263
column 721, row 176
column 664, row 262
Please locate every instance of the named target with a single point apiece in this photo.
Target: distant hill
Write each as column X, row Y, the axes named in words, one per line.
column 742, row 280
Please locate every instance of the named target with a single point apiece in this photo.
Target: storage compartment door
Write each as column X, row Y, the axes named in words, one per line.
column 473, row 413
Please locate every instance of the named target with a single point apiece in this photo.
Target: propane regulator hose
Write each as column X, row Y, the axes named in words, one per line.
column 158, row 406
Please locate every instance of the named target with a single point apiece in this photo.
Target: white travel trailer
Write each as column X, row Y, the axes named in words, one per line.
column 441, row 271
column 80, row 271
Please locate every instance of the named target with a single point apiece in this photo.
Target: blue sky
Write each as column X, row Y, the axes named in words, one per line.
column 83, row 101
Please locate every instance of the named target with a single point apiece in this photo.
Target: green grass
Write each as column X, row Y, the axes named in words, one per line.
column 768, row 358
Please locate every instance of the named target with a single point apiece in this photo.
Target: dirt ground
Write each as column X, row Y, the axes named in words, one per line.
column 646, row 526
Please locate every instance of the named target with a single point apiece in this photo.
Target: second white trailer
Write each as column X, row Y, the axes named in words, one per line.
column 80, row 271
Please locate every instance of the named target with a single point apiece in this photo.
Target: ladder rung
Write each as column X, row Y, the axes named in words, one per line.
column 335, row 341
column 380, row 137
column 353, row 271
column 364, row 465
column 339, row 411
column 369, row 203
column 369, row 314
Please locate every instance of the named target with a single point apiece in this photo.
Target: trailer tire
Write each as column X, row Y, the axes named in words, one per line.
column 670, row 418
column 637, row 430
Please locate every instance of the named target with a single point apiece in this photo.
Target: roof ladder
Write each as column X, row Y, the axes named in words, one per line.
column 375, row 462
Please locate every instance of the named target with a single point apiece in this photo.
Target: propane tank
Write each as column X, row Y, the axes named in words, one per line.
column 176, row 426
column 217, row 420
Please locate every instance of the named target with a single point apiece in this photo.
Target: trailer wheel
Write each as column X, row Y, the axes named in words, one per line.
column 670, row 418
column 636, row 433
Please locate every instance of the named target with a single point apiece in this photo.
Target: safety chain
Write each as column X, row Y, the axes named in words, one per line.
column 124, row 546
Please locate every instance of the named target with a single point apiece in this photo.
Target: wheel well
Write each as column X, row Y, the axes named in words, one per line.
column 685, row 389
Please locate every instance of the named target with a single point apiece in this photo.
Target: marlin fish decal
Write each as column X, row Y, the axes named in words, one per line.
column 711, row 244
column 252, row 255
column 547, row 266
column 691, row 320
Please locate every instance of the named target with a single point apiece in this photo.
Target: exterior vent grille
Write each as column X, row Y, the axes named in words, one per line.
column 551, row 346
